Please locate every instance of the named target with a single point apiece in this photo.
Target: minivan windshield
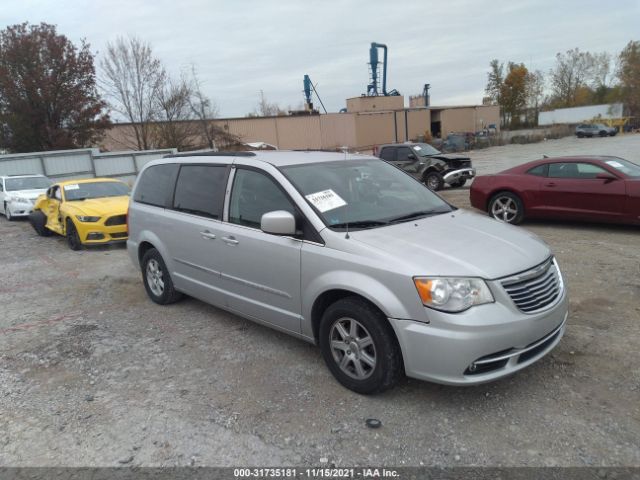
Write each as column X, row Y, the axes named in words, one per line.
column 363, row 193
column 26, row 183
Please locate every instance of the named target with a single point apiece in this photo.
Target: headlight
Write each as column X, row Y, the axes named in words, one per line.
column 83, row 218
column 452, row 294
column 20, row 200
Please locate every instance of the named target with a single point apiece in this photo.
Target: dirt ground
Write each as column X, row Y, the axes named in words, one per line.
column 92, row 373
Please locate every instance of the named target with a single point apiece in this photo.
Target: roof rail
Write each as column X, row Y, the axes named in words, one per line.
column 211, row 154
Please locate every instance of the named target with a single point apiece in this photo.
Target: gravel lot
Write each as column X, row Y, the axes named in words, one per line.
column 93, row 373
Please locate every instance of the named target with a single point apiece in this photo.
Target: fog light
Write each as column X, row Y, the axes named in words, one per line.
column 95, row 236
column 472, row 367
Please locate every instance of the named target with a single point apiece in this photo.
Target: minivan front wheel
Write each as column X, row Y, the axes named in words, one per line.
column 359, row 346
column 156, row 279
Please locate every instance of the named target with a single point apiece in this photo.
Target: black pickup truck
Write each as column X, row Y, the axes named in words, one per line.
column 428, row 165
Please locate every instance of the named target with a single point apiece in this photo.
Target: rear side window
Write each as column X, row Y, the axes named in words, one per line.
column 200, row 190
column 388, row 154
column 575, row 170
column 539, row 171
column 156, row 184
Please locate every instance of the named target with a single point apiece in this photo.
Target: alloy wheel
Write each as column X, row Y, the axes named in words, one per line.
column 352, row 348
column 504, row 209
column 154, row 278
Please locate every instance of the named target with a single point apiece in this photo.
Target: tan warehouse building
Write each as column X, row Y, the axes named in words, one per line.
column 369, row 121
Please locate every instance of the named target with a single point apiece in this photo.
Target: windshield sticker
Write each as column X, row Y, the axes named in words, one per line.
column 417, row 147
column 326, row 200
column 614, row 164
column 74, row 186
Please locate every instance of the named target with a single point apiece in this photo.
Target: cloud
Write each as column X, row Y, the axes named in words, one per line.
column 245, row 46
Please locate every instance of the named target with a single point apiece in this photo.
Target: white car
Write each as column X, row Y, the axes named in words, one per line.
column 18, row 193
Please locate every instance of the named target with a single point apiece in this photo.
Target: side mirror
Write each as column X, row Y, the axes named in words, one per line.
column 607, row 177
column 411, row 156
column 278, row 222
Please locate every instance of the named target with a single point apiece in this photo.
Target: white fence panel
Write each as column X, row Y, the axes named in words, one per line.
column 110, row 165
column 21, row 166
column 80, row 163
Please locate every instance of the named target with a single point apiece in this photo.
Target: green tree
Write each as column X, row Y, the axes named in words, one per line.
column 629, row 75
column 48, row 94
column 495, row 80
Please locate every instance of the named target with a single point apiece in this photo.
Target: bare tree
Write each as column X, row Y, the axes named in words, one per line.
column 133, row 79
column 573, row 71
column 175, row 127
column 264, row 108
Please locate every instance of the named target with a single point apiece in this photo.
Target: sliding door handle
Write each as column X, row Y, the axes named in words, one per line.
column 230, row 240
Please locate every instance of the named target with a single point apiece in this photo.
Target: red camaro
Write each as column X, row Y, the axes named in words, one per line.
column 589, row 188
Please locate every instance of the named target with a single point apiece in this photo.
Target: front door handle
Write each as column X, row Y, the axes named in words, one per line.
column 230, row 240
column 208, row 235
column 550, row 184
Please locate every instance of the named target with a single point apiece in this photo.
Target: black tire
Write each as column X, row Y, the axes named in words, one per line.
column 511, row 203
column 73, row 238
column 38, row 221
column 580, row 135
column 613, row 134
column 373, row 325
column 7, row 213
column 458, row 183
column 166, row 293
column 433, row 181
column 603, row 133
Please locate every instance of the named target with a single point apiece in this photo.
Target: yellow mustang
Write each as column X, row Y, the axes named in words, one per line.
column 92, row 211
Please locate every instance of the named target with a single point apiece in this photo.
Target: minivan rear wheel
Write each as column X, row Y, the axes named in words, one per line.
column 156, row 279
column 359, row 346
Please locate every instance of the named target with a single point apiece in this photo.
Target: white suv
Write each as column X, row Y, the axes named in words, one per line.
column 18, row 193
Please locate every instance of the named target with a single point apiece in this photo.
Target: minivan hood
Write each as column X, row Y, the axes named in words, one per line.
column 459, row 243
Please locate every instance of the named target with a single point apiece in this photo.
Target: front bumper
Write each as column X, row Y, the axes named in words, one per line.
column 20, row 209
column 96, row 233
column 456, row 175
column 496, row 337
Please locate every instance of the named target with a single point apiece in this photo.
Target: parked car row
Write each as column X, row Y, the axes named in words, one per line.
column 87, row 211
column 595, row 130
column 350, row 252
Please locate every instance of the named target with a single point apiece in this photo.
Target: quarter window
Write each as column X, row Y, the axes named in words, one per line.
column 253, row 195
column 575, row 170
column 156, row 185
column 200, row 190
column 539, row 171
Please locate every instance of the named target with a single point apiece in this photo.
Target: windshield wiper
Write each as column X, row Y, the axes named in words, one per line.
column 360, row 224
column 420, row 214
column 79, row 199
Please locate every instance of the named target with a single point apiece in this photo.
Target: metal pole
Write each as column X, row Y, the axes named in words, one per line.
column 406, row 126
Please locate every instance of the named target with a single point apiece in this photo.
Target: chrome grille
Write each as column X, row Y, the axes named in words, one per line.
column 535, row 289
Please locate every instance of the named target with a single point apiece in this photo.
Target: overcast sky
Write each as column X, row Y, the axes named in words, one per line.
column 241, row 47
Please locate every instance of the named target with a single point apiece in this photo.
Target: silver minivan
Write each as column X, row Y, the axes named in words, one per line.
column 352, row 254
